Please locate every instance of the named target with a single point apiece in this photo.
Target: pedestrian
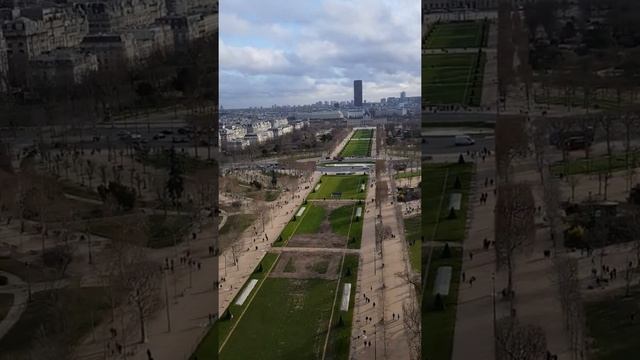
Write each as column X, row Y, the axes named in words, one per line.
column 470, row 255
column 464, row 276
column 374, row 304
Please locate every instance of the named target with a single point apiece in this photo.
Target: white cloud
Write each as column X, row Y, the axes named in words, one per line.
column 251, row 59
column 303, row 52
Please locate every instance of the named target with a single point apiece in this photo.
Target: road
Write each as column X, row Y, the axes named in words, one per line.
column 445, row 145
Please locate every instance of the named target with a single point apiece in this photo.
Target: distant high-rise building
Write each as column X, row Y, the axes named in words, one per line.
column 357, row 92
column 403, row 95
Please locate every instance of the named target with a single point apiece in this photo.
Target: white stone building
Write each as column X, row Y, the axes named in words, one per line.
column 35, row 30
column 61, row 66
column 113, row 51
column 108, row 16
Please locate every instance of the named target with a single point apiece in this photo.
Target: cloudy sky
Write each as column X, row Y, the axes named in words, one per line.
column 299, row 52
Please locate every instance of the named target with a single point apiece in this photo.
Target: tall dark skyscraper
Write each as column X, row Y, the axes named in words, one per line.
column 357, row 92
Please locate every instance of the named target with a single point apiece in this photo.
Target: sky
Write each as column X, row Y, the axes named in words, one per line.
column 284, row 52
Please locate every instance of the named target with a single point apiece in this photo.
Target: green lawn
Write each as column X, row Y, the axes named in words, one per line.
column 33, row 273
column 6, row 301
column 348, row 185
column 164, row 231
column 437, row 337
column 433, row 177
column 610, row 326
column 452, row 78
column 343, row 221
column 595, row 165
column 308, row 223
column 412, row 226
column 362, row 134
column 467, row 34
column 271, row 195
column 209, row 346
column 311, row 220
column 407, row 174
column 50, row 310
column 340, row 339
column 288, row 320
column 357, row 148
column 439, row 180
column 237, row 222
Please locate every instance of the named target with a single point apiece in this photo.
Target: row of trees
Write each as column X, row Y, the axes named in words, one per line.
column 515, row 234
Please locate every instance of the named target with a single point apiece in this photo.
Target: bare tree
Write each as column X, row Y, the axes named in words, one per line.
column 551, row 201
column 574, row 181
column 90, row 170
column 515, row 226
column 512, row 142
column 568, row 284
column 412, row 320
column 540, row 139
column 515, row 341
column 142, row 281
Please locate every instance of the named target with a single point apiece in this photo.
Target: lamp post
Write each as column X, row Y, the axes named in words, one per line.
column 375, row 341
column 493, row 299
column 166, row 300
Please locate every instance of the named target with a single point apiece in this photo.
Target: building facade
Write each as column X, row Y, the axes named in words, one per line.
column 61, row 66
column 186, row 28
column 4, row 64
column 357, row 92
column 33, row 31
column 435, row 5
column 117, row 15
column 113, row 51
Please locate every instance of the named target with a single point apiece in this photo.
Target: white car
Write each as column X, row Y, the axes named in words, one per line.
column 464, row 140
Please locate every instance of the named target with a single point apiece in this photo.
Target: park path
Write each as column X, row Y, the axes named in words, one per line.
column 18, row 289
column 395, row 268
column 381, row 280
column 369, row 285
column 536, row 301
column 192, row 298
column 473, row 335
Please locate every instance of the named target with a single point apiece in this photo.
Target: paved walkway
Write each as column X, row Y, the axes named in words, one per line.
column 473, row 338
column 381, row 281
column 397, row 289
column 369, row 285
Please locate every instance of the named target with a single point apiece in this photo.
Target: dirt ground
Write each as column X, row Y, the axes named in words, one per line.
column 325, row 238
column 307, row 266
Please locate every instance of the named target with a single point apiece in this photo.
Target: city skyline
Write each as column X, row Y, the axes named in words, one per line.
column 296, row 54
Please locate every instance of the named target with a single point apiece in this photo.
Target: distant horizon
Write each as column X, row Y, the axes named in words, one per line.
column 313, row 103
column 301, row 53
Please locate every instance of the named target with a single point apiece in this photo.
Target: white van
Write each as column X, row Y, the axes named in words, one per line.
column 464, row 140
